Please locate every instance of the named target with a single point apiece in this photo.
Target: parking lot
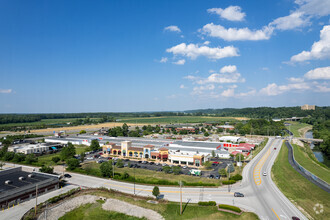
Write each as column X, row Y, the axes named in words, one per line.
column 158, row 166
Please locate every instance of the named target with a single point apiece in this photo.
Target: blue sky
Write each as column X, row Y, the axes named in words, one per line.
column 111, row 56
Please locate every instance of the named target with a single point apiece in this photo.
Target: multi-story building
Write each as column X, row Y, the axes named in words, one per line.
column 308, row 107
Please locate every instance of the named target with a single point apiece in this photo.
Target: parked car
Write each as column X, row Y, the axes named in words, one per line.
column 157, row 164
column 184, row 167
column 264, row 174
column 90, row 158
column 126, row 160
column 100, row 153
column 139, row 161
column 100, row 161
column 238, row 194
column 217, row 177
column 144, row 162
column 274, row 148
column 295, row 218
column 211, row 176
column 67, row 175
column 151, row 163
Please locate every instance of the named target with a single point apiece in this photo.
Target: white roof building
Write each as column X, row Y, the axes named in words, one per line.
column 232, row 139
column 29, row 149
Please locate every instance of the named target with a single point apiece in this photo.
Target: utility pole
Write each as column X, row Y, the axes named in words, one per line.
column 180, row 182
column 35, row 210
column 113, row 169
column 134, row 181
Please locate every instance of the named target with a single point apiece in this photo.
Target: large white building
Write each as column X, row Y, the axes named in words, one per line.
column 232, row 139
column 187, row 158
column 30, row 148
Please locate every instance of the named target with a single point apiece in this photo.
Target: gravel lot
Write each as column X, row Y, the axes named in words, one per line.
column 111, row 204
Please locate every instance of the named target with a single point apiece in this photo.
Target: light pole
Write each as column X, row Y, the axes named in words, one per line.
column 180, row 182
column 134, row 180
column 35, row 210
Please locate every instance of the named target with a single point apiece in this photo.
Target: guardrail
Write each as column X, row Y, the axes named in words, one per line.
column 307, row 174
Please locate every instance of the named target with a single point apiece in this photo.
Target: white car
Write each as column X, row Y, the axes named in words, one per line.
column 265, row 174
column 89, row 158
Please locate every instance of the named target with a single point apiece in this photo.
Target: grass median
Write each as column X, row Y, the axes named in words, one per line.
column 298, row 128
column 305, row 157
column 304, row 194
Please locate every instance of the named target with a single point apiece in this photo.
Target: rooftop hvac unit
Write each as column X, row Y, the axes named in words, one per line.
column 21, row 178
column 8, row 182
column 30, row 175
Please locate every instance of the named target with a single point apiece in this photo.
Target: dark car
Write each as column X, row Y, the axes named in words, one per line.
column 211, row 176
column 217, row 177
column 126, row 160
column 67, row 175
column 238, row 194
column 139, row 161
column 295, row 218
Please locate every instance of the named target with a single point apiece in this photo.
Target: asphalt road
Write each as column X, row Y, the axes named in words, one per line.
column 261, row 194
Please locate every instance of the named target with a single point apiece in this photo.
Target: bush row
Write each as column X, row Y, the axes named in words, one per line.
column 230, row 207
column 209, row 203
column 228, row 182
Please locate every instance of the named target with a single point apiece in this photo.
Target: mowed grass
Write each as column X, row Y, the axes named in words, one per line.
column 93, row 211
column 150, row 175
column 179, row 119
column 304, row 156
column 171, row 210
column 304, row 194
column 297, row 127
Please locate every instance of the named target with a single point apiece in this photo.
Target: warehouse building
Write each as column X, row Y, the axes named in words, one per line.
column 17, row 186
column 35, row 148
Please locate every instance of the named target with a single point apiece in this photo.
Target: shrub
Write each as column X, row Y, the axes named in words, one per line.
column 228, row 182
column 56, row 159
column 230, row 207
column 72, row 163
column 209, row 203
column 237, row 177
column 155, row 191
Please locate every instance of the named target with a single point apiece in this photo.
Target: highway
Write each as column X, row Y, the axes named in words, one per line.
column 261, row 194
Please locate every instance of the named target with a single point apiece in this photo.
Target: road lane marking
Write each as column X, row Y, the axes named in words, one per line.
column 167, row 191
column 276, row 214
column 258, row 167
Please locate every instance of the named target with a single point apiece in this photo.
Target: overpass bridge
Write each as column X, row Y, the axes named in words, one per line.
column 310, row 139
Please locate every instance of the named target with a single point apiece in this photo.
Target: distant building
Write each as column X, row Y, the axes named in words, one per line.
column 308, row 107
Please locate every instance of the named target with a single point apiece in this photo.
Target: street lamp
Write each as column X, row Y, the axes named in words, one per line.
column 134, row 180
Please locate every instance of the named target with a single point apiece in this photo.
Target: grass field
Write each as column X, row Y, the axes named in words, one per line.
column 304, row 194
column 169, row 210
column 298, row 128
column 305, row 157
column 180, row 119
column 149, row 175
column 95, row 211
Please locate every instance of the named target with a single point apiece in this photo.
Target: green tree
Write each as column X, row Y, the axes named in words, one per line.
column 82, row 157
column 206, row 134
column 157, row 129
column 125, row 175
column 31, row 158
column 19, row 157
column 8, row 156
column 176, row 170
column 167, row 169
column 155, row 191
column 46, row 169
column 68, row 152
column 120, row 163
column 72, row 163
column 125, row 130
column 56, row 159
column 1, row 164
column 95, row 146
column 213, row 153
column 82, row 132
column 222, row 172
column 106, row 169
column 208, row 165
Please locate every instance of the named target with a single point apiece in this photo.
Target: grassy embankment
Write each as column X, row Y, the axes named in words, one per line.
column 169, row 210
column 304, row 194
column 305, row 157
column 298, row 128
column 149, row 176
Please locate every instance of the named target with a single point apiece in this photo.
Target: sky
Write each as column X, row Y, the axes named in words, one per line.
column 128, row 56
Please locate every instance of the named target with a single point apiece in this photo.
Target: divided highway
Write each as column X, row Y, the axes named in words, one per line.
column 261, row 194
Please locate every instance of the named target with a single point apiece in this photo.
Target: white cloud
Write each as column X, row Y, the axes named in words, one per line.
column 314, row 7
column 273, row 89
column 207, row 42
column 295, row 80
column 265, row 68
column 292, row 21
column 234, row 34
column 320, row 49
column 231, row 13
column 173, row 28
column 228, row 69
column 182, row 86
column 180, row 62
column 227, row 74
column 6, row 91
column 228, row 93
column 199, row 89
column 163, row 60
column 321, row 88
column 173, row 96
column 193, row 51
column 319, row 73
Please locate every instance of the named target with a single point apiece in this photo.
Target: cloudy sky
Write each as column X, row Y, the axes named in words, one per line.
column 97, row 56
